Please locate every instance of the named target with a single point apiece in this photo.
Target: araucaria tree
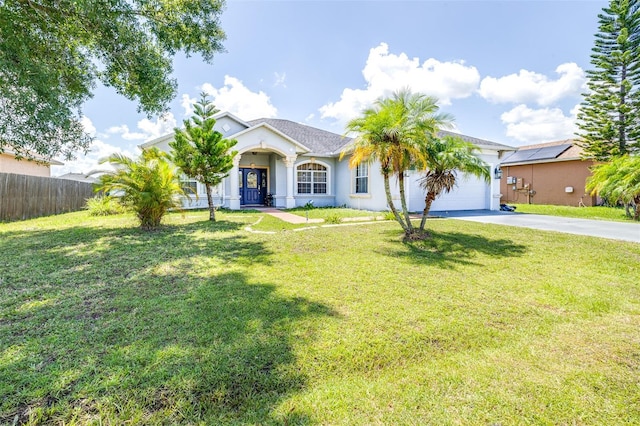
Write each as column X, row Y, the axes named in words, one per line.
column 609, row 118
column 201, row 152
column 393, row 132
column 150, row 185
column 52, row 54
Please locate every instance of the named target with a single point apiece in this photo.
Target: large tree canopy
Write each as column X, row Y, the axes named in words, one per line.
column 609, row 119
column 52, row 53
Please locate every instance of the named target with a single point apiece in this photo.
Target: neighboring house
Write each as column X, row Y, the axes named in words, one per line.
column 547, row 173
column 294, row 164
column 79, row 177
column 42, row 167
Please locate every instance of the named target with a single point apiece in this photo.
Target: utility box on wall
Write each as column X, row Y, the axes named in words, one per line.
column 511, row 180
column 520, row 183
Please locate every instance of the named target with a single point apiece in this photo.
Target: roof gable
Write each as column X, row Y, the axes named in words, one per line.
column 317, row 141
column 264, row 125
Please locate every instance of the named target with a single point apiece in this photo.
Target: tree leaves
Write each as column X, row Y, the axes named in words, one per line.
column 52, row 54
column 609, row 121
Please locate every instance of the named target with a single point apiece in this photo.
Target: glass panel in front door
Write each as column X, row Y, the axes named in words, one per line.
column 252, row 180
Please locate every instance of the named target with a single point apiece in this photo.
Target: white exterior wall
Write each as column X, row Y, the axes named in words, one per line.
column 233, row 126
column 470, row 192
column 375, row 200
column 273, row 151
column 318, row 200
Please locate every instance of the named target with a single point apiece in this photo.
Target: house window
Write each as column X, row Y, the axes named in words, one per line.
column 362, row 178
column 312, row 179
column 189, row 186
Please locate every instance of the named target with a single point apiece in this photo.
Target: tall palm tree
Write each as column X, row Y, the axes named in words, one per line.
column 149, row 185
column 442, row 159
column 392, row 132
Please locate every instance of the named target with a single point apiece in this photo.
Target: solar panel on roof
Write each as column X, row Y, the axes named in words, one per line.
column 550, row 152
column 535, row 154
column 518, row 156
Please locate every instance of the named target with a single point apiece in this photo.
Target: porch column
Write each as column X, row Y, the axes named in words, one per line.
column 289, row 161
column 234, row 199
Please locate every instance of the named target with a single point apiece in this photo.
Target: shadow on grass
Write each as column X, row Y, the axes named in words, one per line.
column 126, row 326
column 448, row 249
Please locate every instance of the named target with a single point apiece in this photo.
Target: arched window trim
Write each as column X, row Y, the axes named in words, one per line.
column 327, row 170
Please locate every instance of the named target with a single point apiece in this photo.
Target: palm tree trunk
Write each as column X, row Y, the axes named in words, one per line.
column 428, row 200
column 403, row 203
column 212, row 207
column 387, row 190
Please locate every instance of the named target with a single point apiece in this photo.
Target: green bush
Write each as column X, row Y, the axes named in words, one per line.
column 388, row 215
column 104, row 206
column 333, row 218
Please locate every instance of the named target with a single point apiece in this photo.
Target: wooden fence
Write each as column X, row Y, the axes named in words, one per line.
column 24, row 197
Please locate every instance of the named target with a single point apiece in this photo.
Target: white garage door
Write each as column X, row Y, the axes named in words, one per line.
column 470, row 194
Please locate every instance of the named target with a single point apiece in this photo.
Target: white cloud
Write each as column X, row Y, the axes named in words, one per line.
column 124, row 132
column 385, row 73
column 90, row 162
column 529, row 86
column 187, row 103
column 149, row 129
column 88, row 126
column 236, row 98
column 539, row 125
column 163, row 125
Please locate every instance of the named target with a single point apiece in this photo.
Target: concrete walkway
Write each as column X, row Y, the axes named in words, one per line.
column 624, row 231
column 289, row 217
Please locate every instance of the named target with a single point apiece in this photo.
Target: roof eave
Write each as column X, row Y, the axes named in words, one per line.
column 550, row 160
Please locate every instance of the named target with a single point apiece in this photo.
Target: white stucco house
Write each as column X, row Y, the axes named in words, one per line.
column 292, row 164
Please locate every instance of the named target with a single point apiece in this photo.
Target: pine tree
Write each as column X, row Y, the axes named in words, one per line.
column 201, row 152
column 609, row 119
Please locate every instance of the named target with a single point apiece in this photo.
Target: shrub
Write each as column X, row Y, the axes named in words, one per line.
column 104, row 206
column 333, row 218
column 150, row 185
column 388, row 215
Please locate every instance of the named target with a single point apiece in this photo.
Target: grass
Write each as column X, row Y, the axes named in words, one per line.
column 206, row 323
column 328, row 212
column 598, row 213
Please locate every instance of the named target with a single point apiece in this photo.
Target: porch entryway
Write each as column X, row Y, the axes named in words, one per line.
column 252, row 184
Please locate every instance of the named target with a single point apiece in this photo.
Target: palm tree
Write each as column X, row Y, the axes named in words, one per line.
column 149, row 185
column 442, row 159
column 392, row 132
column 618, row 181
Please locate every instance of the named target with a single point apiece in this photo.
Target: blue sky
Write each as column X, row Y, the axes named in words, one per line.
column 508, row 71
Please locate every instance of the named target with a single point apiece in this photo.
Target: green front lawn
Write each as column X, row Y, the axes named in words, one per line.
column 598, row 212
column 202, row 323
column 326, row 212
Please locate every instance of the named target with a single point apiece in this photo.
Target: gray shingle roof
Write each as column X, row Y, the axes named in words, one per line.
column 478, row 141
column 320, row 142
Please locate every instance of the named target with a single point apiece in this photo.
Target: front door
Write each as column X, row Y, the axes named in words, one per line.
column 253, row 186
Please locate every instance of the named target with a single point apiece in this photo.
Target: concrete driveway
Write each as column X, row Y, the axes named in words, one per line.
column 596, row 228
